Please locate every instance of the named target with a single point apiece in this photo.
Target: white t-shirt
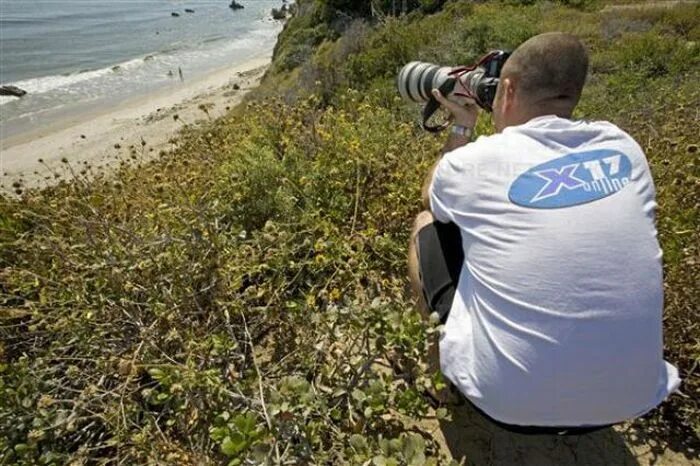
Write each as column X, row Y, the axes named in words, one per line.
column 557, row 317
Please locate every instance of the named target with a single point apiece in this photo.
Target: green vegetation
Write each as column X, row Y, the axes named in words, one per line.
column 244, row 297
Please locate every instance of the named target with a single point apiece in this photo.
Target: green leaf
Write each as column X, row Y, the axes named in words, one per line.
column 233, row 444
column 245, row 423
column 395, row 444
column 358, row 395
column 385, row 446
column 21, row 448
column 218, row 433
column 414, row 450
column 438, row 381
column 359, row 443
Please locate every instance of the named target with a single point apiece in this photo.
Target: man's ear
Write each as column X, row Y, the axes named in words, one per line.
column 508, row 97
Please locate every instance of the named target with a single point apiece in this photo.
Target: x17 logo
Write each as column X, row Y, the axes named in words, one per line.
column 565, row 177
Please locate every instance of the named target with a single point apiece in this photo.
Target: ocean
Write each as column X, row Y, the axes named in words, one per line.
column 77, row 54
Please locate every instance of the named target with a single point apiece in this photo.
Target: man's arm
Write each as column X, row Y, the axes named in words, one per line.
column 465, row 116
column 453, row 142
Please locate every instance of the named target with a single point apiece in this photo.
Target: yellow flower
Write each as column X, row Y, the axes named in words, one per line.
column 311, row 300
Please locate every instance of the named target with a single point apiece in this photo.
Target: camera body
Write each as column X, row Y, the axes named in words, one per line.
column 478, row 82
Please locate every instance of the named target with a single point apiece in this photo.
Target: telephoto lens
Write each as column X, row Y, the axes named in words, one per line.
column 417, row 80
column 477, row 82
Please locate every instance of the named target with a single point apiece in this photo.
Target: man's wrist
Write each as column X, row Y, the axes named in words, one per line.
column 462, row 130
column 465, row 120
column 459, row 136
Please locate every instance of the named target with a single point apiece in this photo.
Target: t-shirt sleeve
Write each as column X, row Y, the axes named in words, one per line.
column 446, row 187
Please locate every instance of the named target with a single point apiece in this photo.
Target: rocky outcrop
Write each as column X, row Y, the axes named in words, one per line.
column 12, row 90
column 279, row 13
column 286, row 11
column 235, row 5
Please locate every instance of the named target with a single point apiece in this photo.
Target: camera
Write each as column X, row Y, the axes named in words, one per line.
column 416, row 81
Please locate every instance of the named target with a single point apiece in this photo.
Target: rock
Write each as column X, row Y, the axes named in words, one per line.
column 189, row 10
column 12, row 90
column 278, row 14
column 235, row 5
column 174, row 14
column 236, row 87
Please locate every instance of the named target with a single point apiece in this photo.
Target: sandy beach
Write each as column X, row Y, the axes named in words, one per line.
column 98, row 137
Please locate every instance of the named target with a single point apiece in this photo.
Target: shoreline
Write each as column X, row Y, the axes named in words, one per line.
column 98, row 136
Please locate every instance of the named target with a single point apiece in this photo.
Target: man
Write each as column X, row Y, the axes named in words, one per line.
column 539, row 255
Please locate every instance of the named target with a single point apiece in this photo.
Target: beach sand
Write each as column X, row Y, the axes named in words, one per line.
column 99, row 137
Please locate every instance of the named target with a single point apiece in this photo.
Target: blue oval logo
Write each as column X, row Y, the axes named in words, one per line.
column 571, row 180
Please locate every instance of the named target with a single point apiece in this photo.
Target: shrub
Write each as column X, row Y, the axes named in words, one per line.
column 653, row 54
column 243, row 299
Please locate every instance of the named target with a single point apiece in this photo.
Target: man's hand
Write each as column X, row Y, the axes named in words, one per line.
column 464, row 114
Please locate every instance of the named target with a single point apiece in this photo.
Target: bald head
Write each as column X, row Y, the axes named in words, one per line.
column 547, row 73
column 549, row 66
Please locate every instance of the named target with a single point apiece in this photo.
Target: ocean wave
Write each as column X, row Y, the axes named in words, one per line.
column 135, row 75
column 174, row 54
column 216, row 38
column 6, row 99
column 50, row 83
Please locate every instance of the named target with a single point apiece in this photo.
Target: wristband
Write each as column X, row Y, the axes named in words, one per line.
column 462, row 131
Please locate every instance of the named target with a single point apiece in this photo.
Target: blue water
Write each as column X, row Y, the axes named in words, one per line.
column 69, row 52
